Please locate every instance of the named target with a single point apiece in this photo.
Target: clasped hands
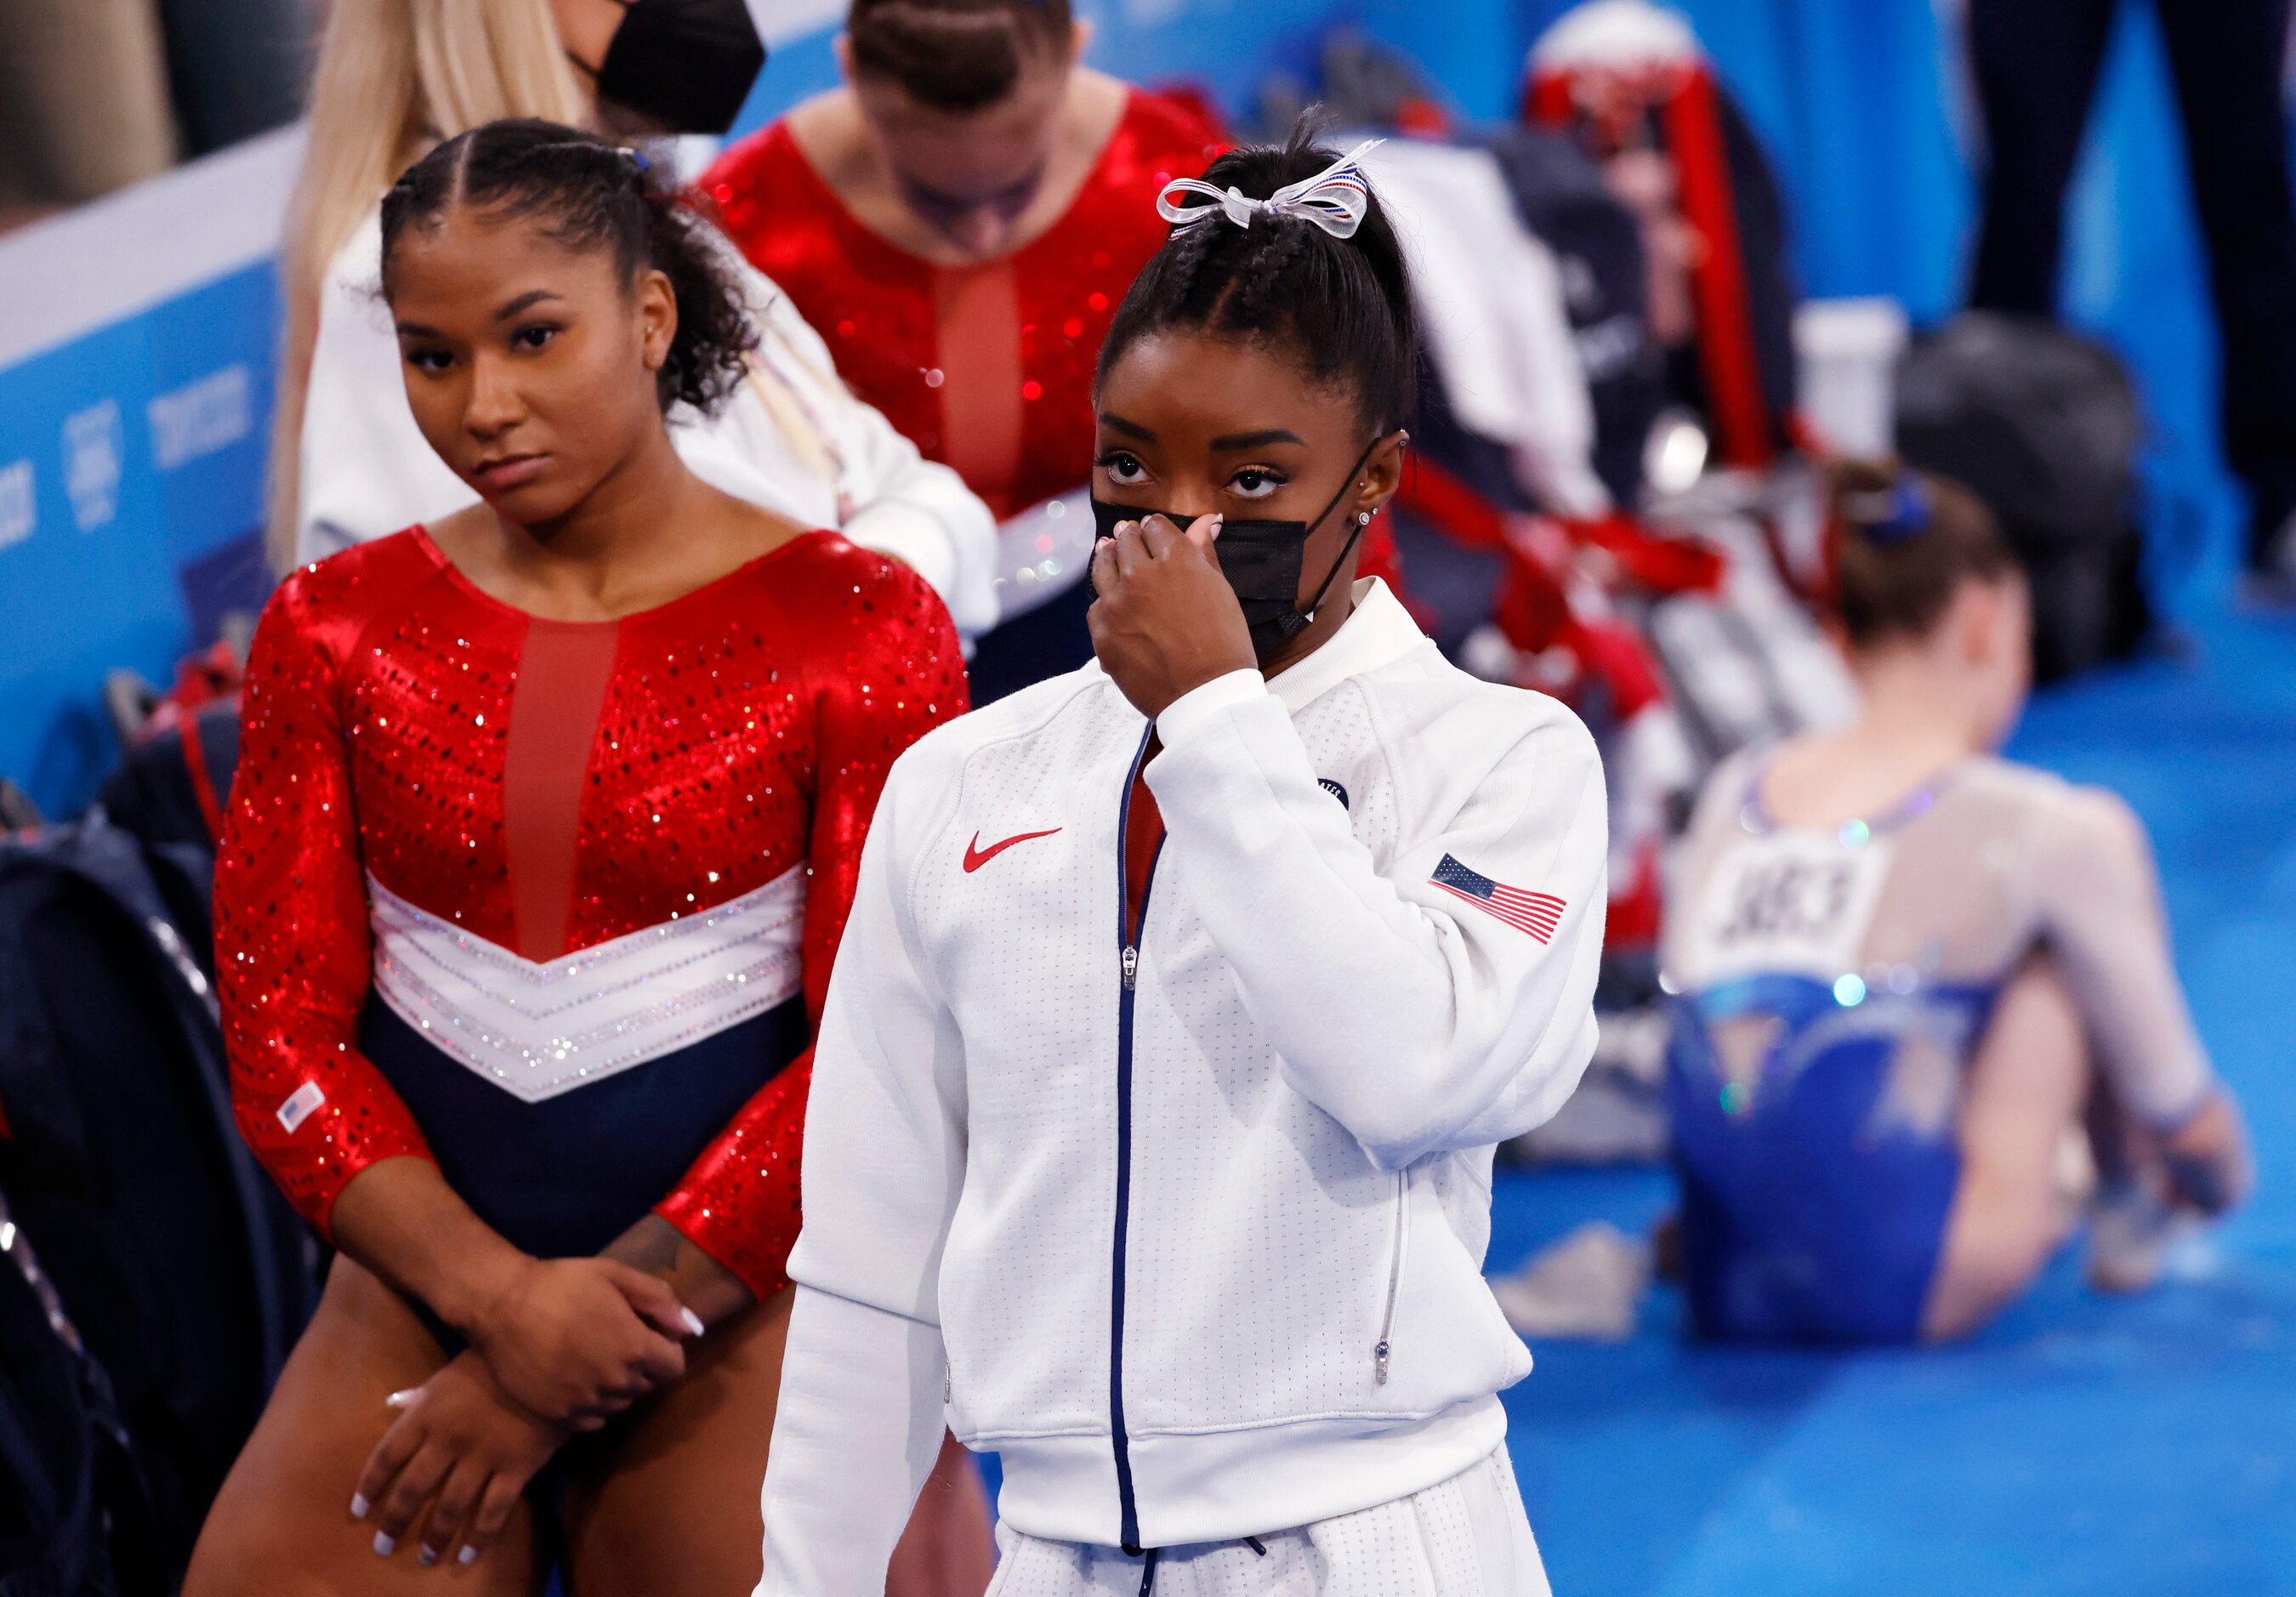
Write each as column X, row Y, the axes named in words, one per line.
column 561, row 1347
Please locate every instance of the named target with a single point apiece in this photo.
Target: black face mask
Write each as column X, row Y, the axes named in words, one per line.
column 1261, row 560
column 686, row 66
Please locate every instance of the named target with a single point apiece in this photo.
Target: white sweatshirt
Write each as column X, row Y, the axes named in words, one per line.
column 792, row 438
column 1189, row 1229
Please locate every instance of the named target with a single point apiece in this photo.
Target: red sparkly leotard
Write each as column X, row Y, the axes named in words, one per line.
column 553, row 904
column 987, row 368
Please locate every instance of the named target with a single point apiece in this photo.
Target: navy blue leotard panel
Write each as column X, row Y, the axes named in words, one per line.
column 567, row 1175
column 1810, row 1212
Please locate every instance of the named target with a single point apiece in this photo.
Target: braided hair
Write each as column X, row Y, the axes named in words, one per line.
column 1340, row 309
column 592, row 195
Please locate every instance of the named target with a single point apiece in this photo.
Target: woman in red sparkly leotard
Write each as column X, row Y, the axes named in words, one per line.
column 546, row 824
column 960, row 224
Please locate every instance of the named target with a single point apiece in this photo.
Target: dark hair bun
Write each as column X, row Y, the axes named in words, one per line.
column 954, row 55
column 589, row 194
column 1904, row 543
column 1340, row 308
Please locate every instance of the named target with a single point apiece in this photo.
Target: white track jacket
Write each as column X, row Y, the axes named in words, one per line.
column 1186, row 1224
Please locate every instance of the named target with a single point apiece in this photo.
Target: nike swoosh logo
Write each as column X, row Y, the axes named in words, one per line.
column 976, row 856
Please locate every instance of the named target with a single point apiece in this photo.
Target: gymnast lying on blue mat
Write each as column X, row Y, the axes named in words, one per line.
column 1910, row 972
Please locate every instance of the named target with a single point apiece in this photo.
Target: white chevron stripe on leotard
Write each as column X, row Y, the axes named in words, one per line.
column 538, row 1031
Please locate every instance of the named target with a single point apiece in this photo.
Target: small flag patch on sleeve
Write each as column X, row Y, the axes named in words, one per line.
column 299, row 1104
column 1538, row 913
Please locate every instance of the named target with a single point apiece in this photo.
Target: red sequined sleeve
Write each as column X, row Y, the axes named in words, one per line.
column 885, row 668
column 292, row 936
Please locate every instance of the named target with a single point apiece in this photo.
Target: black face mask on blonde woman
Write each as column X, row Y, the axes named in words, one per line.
column 684, row 66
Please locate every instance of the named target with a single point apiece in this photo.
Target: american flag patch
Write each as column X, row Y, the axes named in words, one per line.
column 299, row 1104
column 1538, row 913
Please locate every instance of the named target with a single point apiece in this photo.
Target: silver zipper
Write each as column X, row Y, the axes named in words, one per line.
column 1394, row 1282
column 1131, row 968
column 948, row 1386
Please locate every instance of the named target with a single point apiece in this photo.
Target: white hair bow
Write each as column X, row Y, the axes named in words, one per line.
column 1335, row 199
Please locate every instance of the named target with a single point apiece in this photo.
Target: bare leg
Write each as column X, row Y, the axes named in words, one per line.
column 2028, row 1084
column 281, row 1525
column 675, row 1509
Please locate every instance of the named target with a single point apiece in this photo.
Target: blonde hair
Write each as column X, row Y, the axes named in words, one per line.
column 395, row 77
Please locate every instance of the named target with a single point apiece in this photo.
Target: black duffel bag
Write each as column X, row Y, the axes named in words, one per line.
column 2043, row 426
column 170, row 1248
column 75, row 1517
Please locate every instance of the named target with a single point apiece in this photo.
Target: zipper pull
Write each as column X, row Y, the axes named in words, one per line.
column 1131, row 967
column 1379, row 1354
column 947, row 1383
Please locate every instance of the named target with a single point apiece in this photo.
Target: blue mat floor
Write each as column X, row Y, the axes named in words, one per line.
column 2144, row 1446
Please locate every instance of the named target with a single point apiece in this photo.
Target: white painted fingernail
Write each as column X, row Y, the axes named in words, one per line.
column 426, row 1556
column 692, row 1322
column 468, row 1555
column 385, row 1543
column 401, row 1399
column 359, row 1505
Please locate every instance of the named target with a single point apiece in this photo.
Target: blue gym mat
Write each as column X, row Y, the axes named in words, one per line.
column 2142, row 1446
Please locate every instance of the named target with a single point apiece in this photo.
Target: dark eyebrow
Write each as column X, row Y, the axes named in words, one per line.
column 524, row 301
column 416, row 330
column 1133, row 428
column 1230, row 441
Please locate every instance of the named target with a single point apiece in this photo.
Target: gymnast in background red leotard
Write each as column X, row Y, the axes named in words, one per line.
column 960, row 224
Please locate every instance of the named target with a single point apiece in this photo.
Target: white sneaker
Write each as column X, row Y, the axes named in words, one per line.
column 2132, row 1230
column 1587, row 1287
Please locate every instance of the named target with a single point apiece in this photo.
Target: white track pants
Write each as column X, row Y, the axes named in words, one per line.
column 1466, row 1537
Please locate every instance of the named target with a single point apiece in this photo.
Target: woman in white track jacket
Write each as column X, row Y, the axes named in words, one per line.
column 1184, row 997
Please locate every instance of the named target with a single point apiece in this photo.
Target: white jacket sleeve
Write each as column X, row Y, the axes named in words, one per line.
column 916, row 511
column 364, row 469
column 1416, row 1019
column 860, row 1421
column 856, row 1433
